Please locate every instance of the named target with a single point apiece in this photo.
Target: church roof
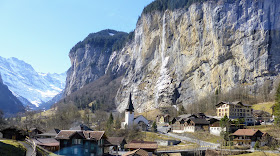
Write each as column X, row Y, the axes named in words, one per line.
column 130, row 105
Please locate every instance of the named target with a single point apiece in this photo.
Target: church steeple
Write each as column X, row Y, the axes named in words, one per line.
column 130, row 105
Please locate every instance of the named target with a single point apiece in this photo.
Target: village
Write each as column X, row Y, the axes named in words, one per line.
column 234, row 130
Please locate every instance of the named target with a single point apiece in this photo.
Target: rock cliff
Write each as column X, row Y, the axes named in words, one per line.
column 178, row 56
column 90, row 58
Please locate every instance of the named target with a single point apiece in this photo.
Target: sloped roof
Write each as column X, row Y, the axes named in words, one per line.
column 200, row 121
column 46, row 142
column 232, row 103
column 116, row 140
column 138, row 152
column 97, row 135
column 91, row 135
column 52, row 132
column 134, row 144
column 246, row 132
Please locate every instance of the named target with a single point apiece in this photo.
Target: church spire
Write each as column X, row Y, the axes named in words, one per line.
column 130, row 105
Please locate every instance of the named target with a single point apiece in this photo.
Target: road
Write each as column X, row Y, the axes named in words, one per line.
column 29, row 148
column 203, row 144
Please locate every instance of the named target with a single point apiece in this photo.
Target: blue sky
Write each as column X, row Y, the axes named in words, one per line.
column 41, row 32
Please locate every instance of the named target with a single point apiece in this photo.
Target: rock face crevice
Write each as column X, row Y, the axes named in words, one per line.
column 179, row 56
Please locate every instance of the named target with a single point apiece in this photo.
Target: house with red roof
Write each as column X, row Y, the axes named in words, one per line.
column 249, row 137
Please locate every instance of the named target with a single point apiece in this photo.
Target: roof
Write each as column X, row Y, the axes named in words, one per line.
column 46, row 142
column 91, row 135
column 116, row 140
column 137, row 152
column 200, row 121
column 246, row 132
column 52, row 133
column 130, row 105
column 134, row 144
column 232, row 103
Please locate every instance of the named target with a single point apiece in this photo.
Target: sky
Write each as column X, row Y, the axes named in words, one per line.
column 42, row 32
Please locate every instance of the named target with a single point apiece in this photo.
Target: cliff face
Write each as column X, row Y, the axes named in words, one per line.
column 182, row 55
column 89, row 59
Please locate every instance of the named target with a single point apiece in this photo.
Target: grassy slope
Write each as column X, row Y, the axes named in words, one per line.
column 205, row 136
column 11, row 148
column 264, row 106
column 150, row 136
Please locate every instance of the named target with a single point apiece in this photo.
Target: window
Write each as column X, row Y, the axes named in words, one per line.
column 219, row 110
column 76, row 141
column 92, row 146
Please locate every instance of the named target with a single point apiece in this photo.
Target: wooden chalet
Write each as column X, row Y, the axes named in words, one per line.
column 14, row 133
column 33, row 132
column 117, row 142
column 48, row 134
column 49, row 144
column 247, row 137
column 163, row 118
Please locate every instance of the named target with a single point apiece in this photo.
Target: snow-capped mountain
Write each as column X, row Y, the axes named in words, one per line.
column 27, row 84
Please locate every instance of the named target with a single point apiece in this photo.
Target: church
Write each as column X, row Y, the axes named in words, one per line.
column 130, row 120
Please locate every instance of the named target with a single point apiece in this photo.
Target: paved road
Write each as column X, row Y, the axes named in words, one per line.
column 29, row 148
column 203, row 144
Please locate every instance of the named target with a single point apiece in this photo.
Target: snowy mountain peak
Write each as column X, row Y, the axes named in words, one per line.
column 29, row 85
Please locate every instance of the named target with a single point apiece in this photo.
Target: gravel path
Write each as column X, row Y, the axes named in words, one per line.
column 29, row 149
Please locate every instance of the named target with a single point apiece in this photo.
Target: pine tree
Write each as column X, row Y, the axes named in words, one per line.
column 117, row 123
column 181, row 110
column 154, row 127
column 110, row 120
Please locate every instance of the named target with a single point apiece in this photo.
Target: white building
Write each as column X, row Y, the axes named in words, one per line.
column 215, row 128
column 130, row 120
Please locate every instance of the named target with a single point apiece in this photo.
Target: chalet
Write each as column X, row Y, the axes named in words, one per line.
column 49, row 134
column 148, row 146
column 247, row 137
column 118, row 143
column 235, row 110
column 196, row 124
column 190, row 123
column 49, row 144
column 130, row 120
column 14, row 133
column 80, row 142
column 33, row 132
column 163, row 119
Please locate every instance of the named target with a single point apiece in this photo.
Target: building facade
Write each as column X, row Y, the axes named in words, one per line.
column 83, row 143
column 235, row 110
